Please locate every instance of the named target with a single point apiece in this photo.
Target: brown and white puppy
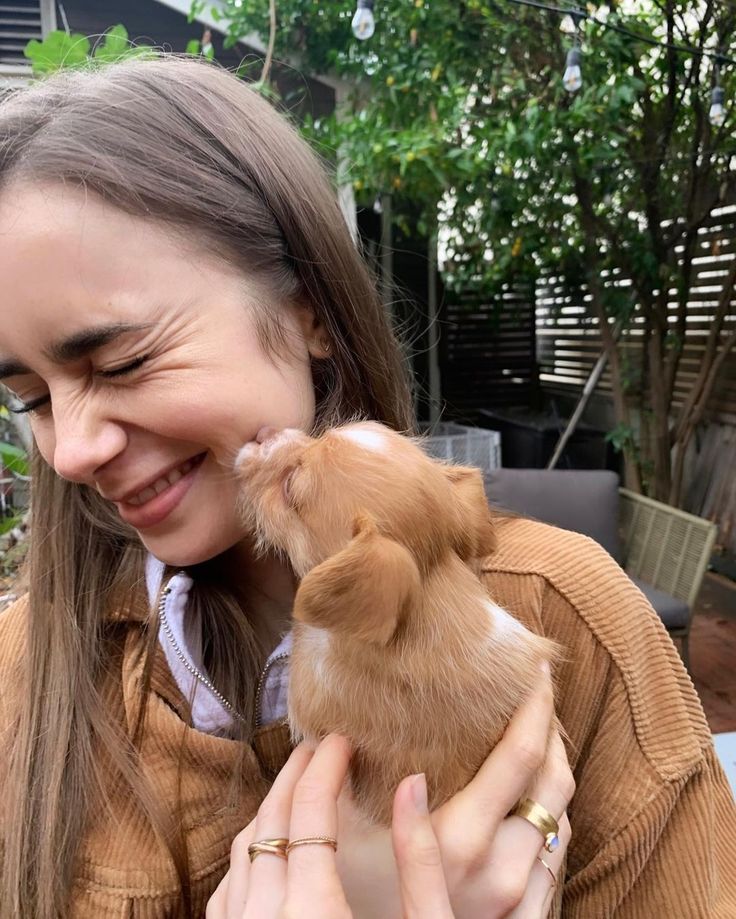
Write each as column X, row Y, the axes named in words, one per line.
column 396, row 644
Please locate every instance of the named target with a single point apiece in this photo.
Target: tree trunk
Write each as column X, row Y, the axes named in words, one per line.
column 695, row 417
column 660, row 444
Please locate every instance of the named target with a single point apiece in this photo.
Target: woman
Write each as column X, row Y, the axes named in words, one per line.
column 176, row 275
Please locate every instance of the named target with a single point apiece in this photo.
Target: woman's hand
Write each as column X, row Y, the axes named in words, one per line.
column 303, row 802
column 490, row 860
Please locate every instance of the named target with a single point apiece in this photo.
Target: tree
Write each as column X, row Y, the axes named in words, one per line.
column 461, row 104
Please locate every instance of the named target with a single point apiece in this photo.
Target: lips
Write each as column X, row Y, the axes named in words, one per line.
column 152, row 504
column 161, row 483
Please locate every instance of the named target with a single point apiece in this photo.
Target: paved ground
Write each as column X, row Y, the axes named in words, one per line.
column 713, row 651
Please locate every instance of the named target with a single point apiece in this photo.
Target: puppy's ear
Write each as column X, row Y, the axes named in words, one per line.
column 474, row 531
column 363, row 591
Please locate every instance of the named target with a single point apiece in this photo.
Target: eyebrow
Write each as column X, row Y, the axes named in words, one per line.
column 76, row 346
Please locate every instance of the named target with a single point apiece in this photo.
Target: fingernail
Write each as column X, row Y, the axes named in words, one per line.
column 419, row 793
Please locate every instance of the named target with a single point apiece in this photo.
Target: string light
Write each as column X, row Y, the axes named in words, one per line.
column 572, row 78
column 716, row 115
column 363, row 24
column 607, row 24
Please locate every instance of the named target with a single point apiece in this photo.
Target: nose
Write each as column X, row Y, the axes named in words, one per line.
column 266, row 433
column 84, row 444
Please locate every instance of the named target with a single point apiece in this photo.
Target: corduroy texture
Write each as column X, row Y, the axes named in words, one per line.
column 654, row 824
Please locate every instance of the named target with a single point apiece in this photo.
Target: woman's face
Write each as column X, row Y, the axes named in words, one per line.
column 139, row 351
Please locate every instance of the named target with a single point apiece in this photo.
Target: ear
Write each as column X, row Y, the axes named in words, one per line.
column 365, row 590
column 475, row 535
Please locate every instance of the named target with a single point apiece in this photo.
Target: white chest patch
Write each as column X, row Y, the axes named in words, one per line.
column 371, row 440
column 316, row 642
column 504, row 624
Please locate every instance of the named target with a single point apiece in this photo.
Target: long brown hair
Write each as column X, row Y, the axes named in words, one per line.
column 183, row 142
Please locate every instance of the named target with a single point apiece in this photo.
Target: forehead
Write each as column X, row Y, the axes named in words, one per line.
column 69, row 260
column 368, row 438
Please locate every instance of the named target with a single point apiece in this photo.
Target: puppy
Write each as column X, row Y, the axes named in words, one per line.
column 396, row 644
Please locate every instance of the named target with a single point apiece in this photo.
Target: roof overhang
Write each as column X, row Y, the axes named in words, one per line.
column 254, row 42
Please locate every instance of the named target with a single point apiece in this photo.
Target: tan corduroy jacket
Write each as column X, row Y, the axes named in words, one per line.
column 654, row 824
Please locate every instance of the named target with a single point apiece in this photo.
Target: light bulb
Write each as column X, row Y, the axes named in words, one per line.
column 363, row 24
column 716, row 115
column 572, row 78
column 207, row 48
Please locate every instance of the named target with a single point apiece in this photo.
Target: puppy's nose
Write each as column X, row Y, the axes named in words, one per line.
column 266, row 433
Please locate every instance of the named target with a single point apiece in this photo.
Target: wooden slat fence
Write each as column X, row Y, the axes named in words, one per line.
column 487, row 353
column 568, row 342
column 568, row 345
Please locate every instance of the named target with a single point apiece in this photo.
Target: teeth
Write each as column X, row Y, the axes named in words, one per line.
column 146, row 494
column 166, row 481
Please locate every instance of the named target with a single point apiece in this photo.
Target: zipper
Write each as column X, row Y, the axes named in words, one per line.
column 261, row 681
column 186, row 662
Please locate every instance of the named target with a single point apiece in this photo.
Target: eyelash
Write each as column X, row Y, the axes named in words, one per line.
column 107, row 374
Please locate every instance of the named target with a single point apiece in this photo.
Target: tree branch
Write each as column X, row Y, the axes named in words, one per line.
column 271, row 41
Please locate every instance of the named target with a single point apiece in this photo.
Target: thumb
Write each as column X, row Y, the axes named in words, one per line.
column 421, row 875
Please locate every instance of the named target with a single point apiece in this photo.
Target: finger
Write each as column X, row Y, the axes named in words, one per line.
column 506, row 773
column 257, row 888
column 312, row 876
column 217, row 903
column 554, row 785
column 421, row 875
column 553, row 789
column 541, row 887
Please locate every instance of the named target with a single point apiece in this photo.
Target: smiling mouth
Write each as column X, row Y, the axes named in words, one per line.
column 165, row 481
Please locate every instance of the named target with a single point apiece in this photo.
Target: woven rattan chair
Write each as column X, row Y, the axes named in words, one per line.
column 663, row 550
column 667, row 549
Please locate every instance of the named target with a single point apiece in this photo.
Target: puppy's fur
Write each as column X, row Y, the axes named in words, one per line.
column 395, row 644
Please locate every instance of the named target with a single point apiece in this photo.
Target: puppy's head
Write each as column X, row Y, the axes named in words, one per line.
column 309, row 498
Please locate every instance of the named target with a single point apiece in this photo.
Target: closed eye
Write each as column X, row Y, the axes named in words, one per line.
column 29, row 406
column 107, row 374
column 126, row 368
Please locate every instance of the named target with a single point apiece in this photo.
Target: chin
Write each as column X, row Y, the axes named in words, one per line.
column 181, row 551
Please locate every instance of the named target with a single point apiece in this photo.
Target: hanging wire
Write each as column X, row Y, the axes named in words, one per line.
column 584, row 14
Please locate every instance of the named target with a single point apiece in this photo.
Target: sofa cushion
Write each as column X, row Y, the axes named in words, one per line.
column 673, row 612
column 582, row 500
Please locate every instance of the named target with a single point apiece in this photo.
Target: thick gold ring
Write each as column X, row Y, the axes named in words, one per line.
column 549, row 870
column 312, row 841
column 272, row 846
column 541, row 819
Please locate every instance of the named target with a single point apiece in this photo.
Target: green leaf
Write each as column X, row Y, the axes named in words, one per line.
column 193, row 46
column 195, row 9
column 9, row 523
column 114, row 46
column 14, row 458
column 57, row 51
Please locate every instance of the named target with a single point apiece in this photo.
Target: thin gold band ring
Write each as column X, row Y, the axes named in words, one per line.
column 549, row 870
column 272, row 846
column 312, row 841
